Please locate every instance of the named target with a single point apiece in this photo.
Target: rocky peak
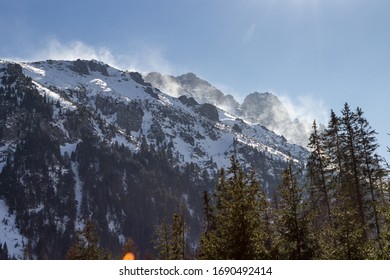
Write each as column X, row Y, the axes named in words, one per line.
column 264, row 108
column 84, row 67
column 191, row 80
column 191, row 85
column 267, row 110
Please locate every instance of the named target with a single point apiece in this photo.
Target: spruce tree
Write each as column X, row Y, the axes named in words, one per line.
column 208, row 239
column 178, row 236
column 87, row 245
column 352, row 161
column 4, row 252
column 318, row 182
column 294, row 238
column 170, row 239
column 372, row 171
column 240, row 218
column 162, row 241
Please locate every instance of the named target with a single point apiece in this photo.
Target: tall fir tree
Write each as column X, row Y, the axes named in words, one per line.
column 87, row 245
column 162, row 241
column 351, row 158
column 170, row 239
column 240, row 218
column 372, row 172
column 320, row 190
column 294, row 238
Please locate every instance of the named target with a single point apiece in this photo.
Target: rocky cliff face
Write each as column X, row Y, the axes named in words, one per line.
column 80, row 140
column 192, row 86
column 267, row 109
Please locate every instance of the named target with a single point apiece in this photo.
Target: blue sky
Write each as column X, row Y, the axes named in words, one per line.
column 315, row 54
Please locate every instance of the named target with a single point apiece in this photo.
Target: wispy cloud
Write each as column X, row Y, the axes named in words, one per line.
column 249, row 34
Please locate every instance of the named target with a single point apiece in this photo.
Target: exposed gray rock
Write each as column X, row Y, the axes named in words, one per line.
column 130, row 116
column 150, row 91
column 98, row 67
column 80, row 66
column 138, row 78
column 84, row 67
column 190, row 102
column 209, row 111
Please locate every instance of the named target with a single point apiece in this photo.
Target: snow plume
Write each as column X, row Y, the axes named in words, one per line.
column 150, row 59
column 75, row 50
column 170, row 86
column 167, row 84
column 140, row 58
column 306, row 109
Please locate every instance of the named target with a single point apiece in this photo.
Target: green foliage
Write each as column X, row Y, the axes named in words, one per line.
column 162, row 241
column 293, row 237
column 342, row 212
column 346, row 186
column 87, row 245
column 240, row 224
column 170, row 240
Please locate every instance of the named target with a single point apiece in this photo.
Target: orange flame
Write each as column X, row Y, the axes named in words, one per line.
column 129, row 256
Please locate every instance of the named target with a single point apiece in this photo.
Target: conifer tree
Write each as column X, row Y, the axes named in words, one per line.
column 351, row 159
column 87, row 245
column 208, row 239
column 170, row 239
column 208, row 213
column 4, row 251
column 240, row 218
column 333, row 151
column 178, row 236
column 162, row 241
column 353, row 177
column 294, row 239
column 317, row 164
column 372, row 171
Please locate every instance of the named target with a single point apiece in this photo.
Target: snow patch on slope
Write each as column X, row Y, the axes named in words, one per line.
column 9, row 233
column 54, row 96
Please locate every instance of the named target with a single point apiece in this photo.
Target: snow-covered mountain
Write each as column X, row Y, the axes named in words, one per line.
column 211, row 135
column 82, row 140
column 260, row 108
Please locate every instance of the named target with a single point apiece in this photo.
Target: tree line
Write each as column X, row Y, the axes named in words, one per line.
column 340, row 211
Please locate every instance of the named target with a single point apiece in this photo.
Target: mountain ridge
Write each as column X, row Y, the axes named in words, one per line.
column 262, row 108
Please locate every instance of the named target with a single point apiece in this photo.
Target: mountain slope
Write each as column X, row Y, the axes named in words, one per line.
column 81, row 140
